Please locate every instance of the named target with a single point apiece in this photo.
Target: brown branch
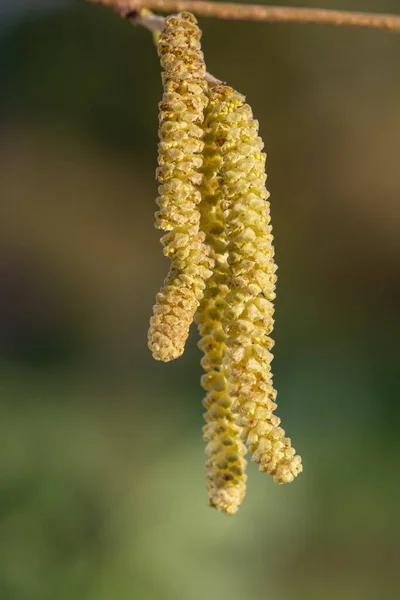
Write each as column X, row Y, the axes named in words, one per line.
column 253, row 12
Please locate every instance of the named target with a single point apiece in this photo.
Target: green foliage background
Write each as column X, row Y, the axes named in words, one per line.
column 102, row 490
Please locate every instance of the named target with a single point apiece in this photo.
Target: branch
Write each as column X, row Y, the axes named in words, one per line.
column 253, row 12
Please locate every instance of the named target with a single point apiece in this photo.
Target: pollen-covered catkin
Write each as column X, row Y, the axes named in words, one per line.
column 225, row 466
column 179, row 174
column 248, row 316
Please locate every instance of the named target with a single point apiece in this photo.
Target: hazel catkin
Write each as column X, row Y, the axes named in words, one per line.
column 179, row 174
column 214, row 210
column 248, row 316
column 225, row 466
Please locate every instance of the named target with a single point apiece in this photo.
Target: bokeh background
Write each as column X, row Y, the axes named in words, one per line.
column 102, row 491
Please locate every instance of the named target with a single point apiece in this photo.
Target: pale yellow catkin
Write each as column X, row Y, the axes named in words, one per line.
column 179, row 173
column 225, row 466
column 248, row 316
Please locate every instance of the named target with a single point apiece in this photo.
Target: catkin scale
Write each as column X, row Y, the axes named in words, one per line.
column 179, row 174
column 248, row 317
column 225, row 467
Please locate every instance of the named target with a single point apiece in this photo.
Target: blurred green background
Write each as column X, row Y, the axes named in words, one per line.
column 102, row 492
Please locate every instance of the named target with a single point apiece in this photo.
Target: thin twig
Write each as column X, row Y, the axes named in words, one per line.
column 149, row 20
column 253, row 12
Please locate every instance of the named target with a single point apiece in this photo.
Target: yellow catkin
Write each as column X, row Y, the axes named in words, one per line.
column 248, row 317
column 179, row 174
column 225, row 467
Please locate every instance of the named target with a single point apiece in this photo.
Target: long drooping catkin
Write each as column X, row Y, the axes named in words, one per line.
column 179, row 173
column 226, row 479
column 248, row 316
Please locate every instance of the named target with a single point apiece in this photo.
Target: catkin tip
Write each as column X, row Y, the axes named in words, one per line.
column 226, row 500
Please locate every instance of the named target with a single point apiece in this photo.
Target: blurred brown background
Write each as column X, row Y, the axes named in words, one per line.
column 102, row 491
